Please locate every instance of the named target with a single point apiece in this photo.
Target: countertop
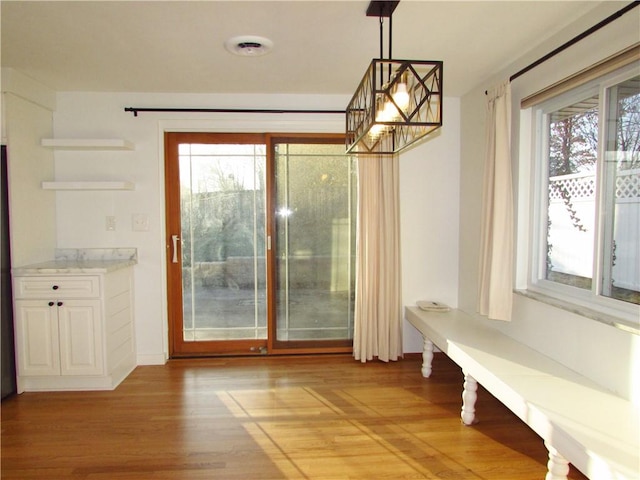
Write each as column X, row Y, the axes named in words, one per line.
column 82, row 261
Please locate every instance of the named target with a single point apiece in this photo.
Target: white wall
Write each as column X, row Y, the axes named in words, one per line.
column 608, row 355
column 429, row 173
column 429, row 202
column 26, row 118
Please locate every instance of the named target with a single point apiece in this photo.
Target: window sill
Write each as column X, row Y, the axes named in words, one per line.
column 613, row 321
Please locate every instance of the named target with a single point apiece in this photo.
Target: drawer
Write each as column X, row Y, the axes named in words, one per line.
column 86, row 286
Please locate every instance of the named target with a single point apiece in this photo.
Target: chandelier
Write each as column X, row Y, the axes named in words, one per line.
column 397, row 103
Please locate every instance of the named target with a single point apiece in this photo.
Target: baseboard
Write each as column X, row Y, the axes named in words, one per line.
column 151, row 359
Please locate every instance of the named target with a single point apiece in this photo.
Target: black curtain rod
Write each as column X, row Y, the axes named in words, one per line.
column 136, row 110
column 575, row 40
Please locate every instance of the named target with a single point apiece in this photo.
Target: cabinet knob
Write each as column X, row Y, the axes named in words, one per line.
column 60, row 304
column 55, row 287
column 51, row 304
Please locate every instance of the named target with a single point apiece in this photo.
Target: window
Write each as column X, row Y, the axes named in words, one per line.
column 587, row 195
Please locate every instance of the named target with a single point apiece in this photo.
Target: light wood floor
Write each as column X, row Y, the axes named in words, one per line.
column 315, row 417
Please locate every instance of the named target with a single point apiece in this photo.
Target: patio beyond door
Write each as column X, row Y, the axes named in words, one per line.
column 259, row 244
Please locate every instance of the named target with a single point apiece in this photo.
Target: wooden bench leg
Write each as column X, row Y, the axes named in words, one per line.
column 558, row 466
column 427, row 358
column 469, row 396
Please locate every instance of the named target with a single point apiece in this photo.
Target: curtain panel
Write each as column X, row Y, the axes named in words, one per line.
column 378, row 302
column 496, row 241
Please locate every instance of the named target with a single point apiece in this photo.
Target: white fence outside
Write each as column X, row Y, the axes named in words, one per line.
column 572, row 212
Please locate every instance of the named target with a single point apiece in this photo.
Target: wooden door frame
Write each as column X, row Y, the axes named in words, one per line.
column 179, row 348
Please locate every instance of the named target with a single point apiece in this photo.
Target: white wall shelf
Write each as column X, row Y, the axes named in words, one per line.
column 84, row 185
column 87, row 143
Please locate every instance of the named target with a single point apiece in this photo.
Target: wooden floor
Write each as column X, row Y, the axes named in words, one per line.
column 316, row 417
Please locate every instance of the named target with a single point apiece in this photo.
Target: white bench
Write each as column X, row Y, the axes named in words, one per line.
column 579, row 421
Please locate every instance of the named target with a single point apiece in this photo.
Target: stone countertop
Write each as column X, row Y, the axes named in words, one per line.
column 82, row 261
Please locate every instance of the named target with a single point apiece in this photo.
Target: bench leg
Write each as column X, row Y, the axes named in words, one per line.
column 469, row 396
column 558, row 466
column 427, row 358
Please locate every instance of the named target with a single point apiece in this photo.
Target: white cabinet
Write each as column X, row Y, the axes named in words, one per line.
column 55, row 287
column 80, row 336
column 59, row 337
column 74, row 332
column 37, row 338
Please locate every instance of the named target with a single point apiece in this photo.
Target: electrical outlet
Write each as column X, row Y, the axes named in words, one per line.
column 110, row 223
column 140, row 222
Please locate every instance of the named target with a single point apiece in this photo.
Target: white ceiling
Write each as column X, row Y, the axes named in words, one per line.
column 319, row 46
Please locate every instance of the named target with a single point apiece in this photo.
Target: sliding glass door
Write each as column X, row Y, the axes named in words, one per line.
column 315, row 243
column 260, row 244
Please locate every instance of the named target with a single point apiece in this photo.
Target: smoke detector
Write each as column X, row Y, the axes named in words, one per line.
column 249, row 45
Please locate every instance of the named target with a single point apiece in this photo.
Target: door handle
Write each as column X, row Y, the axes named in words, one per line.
column 174, row 240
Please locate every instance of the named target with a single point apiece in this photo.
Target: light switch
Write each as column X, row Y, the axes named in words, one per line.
column 110, row 223
column 140, row 222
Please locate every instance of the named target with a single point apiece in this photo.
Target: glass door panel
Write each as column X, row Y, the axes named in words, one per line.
column 315, row 242
column 222, row 217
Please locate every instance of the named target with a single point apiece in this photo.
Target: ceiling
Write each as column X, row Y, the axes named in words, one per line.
column 319, row 46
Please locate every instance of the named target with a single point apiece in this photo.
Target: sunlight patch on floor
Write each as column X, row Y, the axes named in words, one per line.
column 309, row 433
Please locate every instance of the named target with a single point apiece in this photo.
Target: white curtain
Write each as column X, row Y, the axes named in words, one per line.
column 496, row 248
column 378, row 303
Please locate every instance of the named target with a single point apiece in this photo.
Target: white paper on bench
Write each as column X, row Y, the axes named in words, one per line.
column 593, row 428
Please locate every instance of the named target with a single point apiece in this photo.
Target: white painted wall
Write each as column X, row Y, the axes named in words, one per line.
column 26, row 117
column 429, row 173
column 429, row 203
column 609, row 356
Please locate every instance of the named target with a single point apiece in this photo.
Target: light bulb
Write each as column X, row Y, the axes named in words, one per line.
column 401, row 97
column 376, row 131
column 390, row 112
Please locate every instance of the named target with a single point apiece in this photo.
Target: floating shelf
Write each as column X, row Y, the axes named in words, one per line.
column 88, row 185
column 87, row 143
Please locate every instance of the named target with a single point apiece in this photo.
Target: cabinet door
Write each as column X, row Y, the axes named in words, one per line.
column 37, row 338
column 80, row 324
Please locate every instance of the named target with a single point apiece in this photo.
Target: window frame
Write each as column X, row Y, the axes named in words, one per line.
column 573, row 298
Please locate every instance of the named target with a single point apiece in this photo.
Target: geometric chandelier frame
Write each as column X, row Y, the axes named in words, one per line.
column 405, row 108
column 397, row 102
